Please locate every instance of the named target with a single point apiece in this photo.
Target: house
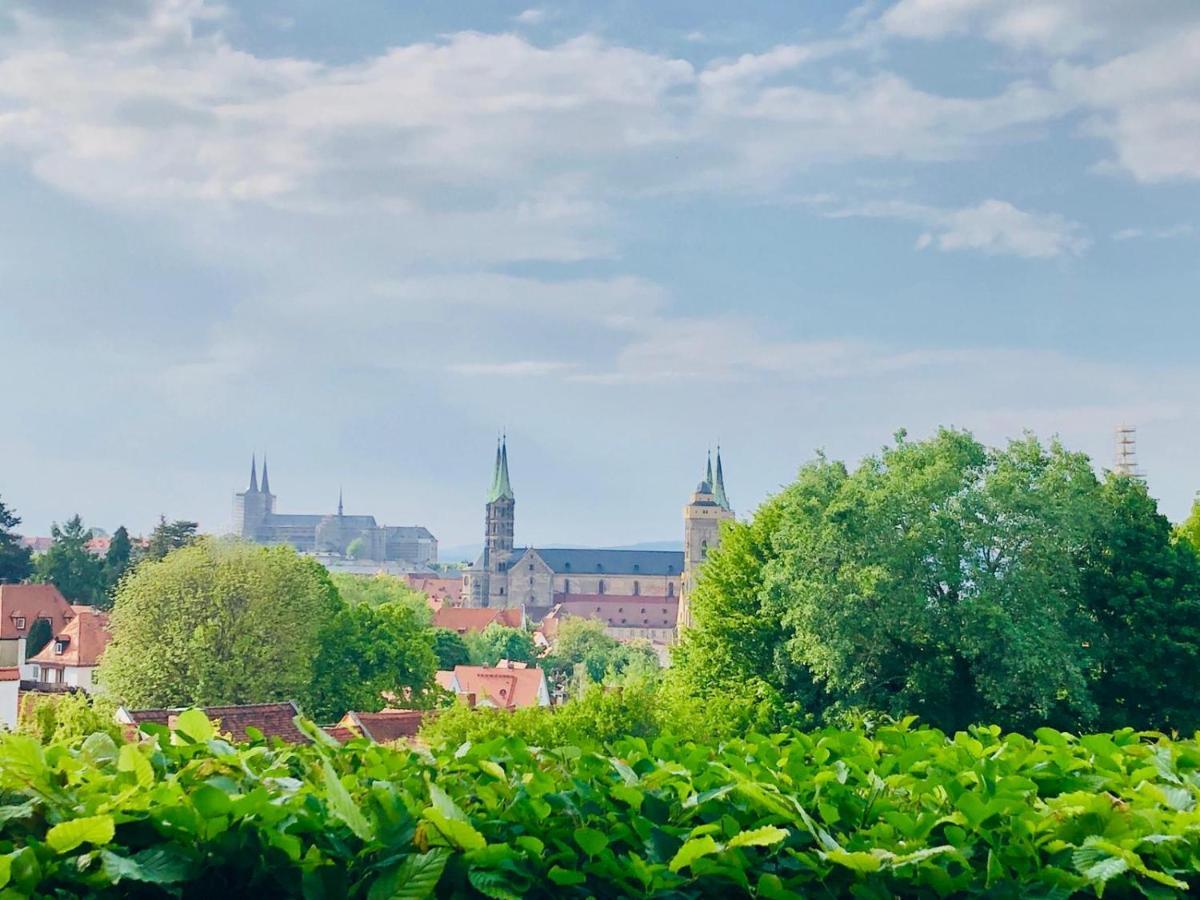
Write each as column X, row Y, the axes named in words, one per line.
column 21, row 605
column 272, row 720
column 509, row 685
column 10, row 701
column 625, row 617
column 382, row 727
column 70, row 659
column 463, row 620
column 438, row 592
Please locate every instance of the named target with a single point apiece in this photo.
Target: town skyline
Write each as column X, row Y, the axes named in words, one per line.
column 361, row 242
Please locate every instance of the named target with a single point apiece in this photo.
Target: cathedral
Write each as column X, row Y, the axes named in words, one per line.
column 643, row 590
column 255, row 519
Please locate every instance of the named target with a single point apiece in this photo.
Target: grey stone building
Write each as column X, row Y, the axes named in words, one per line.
column 255, row 519
column 540, row 578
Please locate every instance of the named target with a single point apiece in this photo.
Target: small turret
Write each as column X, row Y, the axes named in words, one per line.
column 266, row 482
column 718, row 488
column 253, row 475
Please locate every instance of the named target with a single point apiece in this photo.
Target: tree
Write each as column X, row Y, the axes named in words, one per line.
column 15, row 561
column 168, row 536
column 219, row 622
column 952, row 581
column 376, row 590
column 451, row 650
column 118, row 557
column 1189, row 529
column 1143, row 589
column 70, row 566
column 372, row 656
column 52, row 718
column 40, row 633
column 357, row 548
column 498, row 642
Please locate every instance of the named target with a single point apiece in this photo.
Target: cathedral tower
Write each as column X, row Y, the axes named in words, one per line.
column 252, row 506
column 487, row 581
column 702, row 519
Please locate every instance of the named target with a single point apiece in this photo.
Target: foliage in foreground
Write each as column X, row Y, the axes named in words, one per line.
column 832, row 812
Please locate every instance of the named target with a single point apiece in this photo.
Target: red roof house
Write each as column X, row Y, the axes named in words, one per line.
column 507, row 686
column 274, row 720
column 71, row 656
column 469, row 619
column 381, row 727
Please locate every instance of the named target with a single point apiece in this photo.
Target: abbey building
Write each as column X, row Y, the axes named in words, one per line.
column 333, row 534
column 640, row 593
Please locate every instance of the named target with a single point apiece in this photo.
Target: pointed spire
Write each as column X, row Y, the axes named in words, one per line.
column 339, row 501
column 253, row 475
column 506, row 490
column 495, row 485
column 719, row 491
column 266, row 484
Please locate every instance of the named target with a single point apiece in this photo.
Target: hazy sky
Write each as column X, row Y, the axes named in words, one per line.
column 362, row 238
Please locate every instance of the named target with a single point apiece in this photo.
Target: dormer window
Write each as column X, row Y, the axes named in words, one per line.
column 20, row 623
column 59, row 647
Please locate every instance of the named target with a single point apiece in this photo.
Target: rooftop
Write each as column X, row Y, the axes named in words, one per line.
column 274, row 720
column 565, row 561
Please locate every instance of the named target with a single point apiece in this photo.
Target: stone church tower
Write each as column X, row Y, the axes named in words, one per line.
column 487, row 581
column 702, row 519
column 252, row 507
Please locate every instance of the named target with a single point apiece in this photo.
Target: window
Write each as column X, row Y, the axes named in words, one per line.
column 531, row 581
column 599, row 567
column 59, row 647
column 600, row 587
column 637, row 589
column 20, row 623
column 567, row 566
column 566, row 585
column 637, row 567
column 704, row 549
column 671, row 590
column 531, row 567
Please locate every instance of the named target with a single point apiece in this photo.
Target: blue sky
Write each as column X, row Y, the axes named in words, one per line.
column 363, row 237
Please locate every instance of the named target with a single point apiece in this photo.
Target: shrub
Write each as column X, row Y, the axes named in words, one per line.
column 905, row 811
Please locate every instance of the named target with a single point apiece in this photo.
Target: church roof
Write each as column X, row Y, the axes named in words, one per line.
column 501, row 488
column 305, row 520
column 612, row 562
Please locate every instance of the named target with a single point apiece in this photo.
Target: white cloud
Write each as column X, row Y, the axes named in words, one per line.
column 524, row 368
column 994, row 227
column 531, row 16
column 1154, row 234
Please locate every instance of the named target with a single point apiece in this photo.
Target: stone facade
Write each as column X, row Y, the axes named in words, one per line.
column 542, row 578
column 255, row 519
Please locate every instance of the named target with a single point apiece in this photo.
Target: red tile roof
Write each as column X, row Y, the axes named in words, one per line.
column 438, row 591
column 10, row 674
column 502, row 687
column 272, row 719
column 384, row 726
column 82, row 640
column 31, row 602
column 470, row 619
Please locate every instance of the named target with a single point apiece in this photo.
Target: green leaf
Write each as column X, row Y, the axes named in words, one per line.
column 693, row 850
column 445, row 805
column 211, row 802
column 759, row 837
column 66, row 836
column 99, row 748
column 342, row 805
column 194, row 724
column 5, row 870
column 156, row 865
column 492, row 884
column 413, row 879
column 492, row 768
column 131, row 759
column 565, row 877
column 858, row 861
column 592, row 841
column 460, row 834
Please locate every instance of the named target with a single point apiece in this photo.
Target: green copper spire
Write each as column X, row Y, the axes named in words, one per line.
column 719, row 491
column 708, row 478
column 501, row 488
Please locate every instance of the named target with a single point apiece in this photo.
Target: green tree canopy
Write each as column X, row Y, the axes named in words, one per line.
column 219, row 622
column 450, row 648
column 70, row 567
column 372, row 656
column 39, row 636
column 498, row 642
column 1189, row 528
column 582, row 648
column 948, row 580
column 168, row 536
column 118, row 557
column 15, row 561
column 376, row 590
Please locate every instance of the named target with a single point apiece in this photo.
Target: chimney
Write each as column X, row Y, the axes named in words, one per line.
column 469, row 697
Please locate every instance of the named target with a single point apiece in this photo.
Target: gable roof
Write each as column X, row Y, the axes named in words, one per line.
column 564, row 561
column 502, row 687
column 463, row 619
column 274, row 720
column 31, row 602
column 384, row 726
column 618, row 610
column 83, row 640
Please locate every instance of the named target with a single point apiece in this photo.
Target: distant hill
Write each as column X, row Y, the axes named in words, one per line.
column 470, row 552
